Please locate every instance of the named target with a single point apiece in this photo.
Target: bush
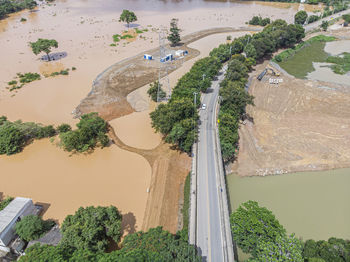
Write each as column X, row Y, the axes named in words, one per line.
column 12, row 139
column 32, row 227
column 28, row 77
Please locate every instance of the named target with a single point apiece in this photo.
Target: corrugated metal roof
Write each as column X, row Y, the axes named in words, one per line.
column 9, row 213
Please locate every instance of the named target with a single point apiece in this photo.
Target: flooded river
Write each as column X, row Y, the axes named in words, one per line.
column 310, row 204
column 84, row 30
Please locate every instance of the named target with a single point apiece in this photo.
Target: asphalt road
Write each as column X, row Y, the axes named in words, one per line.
column 209, row 233
column 318, row 23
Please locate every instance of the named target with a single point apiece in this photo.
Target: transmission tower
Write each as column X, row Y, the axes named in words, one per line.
column 163, row 66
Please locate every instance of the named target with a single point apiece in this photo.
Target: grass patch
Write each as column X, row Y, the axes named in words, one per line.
column 62, row 72
column 5, row 202
column 298, row 61
column 116, row 38
column 341, row 63
column 186, row 206
column 126, row 36
column 138, row 31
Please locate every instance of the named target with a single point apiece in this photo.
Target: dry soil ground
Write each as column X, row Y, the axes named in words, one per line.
column 298, row 125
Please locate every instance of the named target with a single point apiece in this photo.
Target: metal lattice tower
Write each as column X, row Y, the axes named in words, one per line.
column 163, row 66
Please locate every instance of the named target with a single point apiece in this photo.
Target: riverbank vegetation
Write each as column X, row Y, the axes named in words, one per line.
column 14, row 136
column 88, row 234
column 11, row 6
column 257, row 232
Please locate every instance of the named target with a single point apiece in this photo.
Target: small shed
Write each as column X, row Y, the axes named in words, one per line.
column 13, row 212
column 147, row 57
column 168, row 57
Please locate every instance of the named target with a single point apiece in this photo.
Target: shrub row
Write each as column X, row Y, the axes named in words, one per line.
column 8, row 6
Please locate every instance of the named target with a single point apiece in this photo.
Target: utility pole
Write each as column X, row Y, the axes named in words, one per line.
column 163, row 66
column 194, row 111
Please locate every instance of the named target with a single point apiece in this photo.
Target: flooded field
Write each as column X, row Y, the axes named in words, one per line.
column 84, row 30
column 109, row 176
column 310, row 204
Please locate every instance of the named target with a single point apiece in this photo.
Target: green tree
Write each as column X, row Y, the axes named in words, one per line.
column 346, row 18
column 281, row 249
column 31, row 227
column 91, row 228
column 12, row 139
column 324, row 25
column 252, row 224
column 43, row 45
column 153, row 91
column 174, row 36
column 91, row 130
column 250, row 51
column 128, row 17
column 300, row 17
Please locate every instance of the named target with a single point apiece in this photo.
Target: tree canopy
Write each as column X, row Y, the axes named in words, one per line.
column 128, row 17
column 252, row 224
column 91, row 132
column 300, row 17
column 43, row 45
column 89, row 228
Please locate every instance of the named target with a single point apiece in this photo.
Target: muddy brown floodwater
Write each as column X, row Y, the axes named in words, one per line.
column 84, row 30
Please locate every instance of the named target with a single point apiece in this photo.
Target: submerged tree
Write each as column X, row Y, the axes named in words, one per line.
column 128, row 17
column 43, row 45
column 174, row 36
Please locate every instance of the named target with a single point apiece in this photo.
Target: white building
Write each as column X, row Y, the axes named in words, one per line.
column 13, row 212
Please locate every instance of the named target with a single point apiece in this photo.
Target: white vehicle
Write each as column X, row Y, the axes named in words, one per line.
column 204, row 106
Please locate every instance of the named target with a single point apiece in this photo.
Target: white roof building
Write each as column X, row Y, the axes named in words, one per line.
column 13, row 212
